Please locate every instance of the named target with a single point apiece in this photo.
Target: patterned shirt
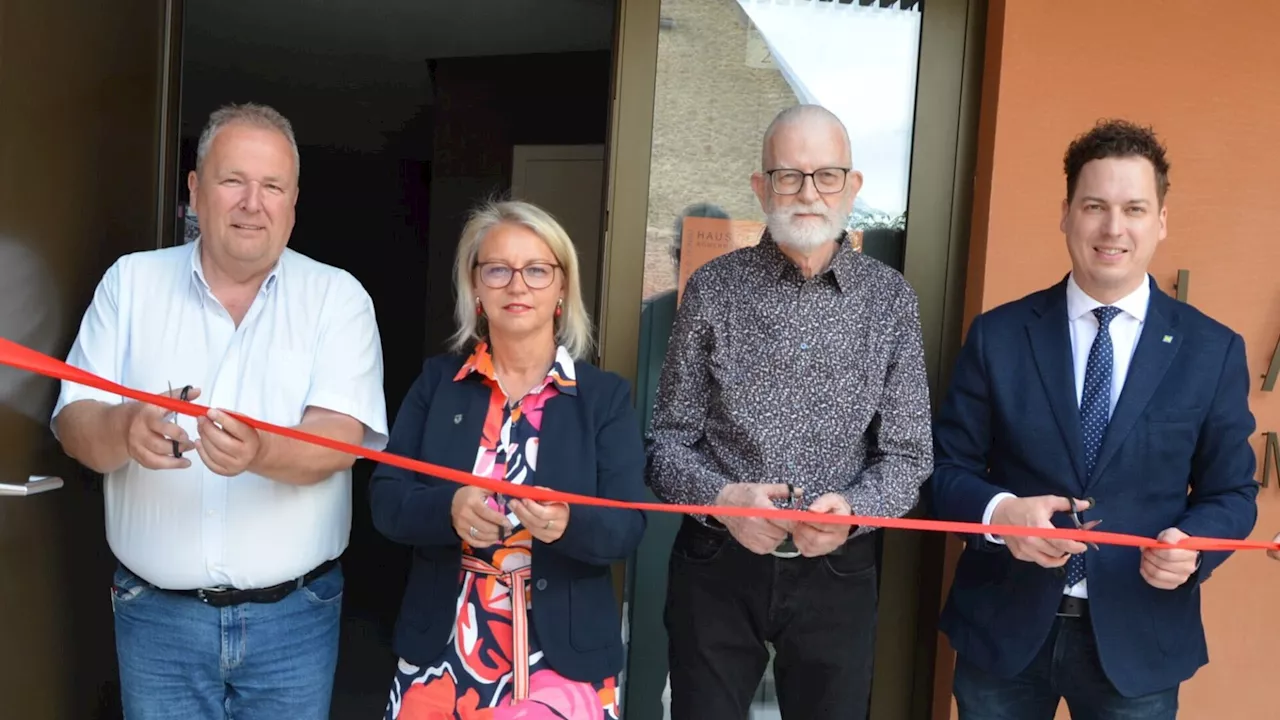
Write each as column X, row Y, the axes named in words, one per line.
column 772, row 378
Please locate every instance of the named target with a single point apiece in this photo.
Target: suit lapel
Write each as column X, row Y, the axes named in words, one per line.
column 1151, row 359
column 464, row 421
column 1051, row 347
column 549, row 472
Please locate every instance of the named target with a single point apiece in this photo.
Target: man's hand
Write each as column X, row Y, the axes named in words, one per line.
column 1274, row 554
column 1169, row 569
column 814, row 539
column 226, row 450
column 1037, row 512
column 149, row 436
column 758, row 535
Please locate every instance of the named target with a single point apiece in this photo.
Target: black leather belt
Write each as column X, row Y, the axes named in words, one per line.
column 223, row 597
column 1073, row 607
column 851, row 544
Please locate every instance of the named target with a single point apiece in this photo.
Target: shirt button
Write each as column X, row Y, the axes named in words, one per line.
column 541, row 584
column 804, row 346
column 213, row 513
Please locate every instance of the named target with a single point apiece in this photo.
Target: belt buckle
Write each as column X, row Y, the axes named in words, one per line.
column 216, row 597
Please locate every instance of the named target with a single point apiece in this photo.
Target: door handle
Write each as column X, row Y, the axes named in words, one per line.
column 34, row 485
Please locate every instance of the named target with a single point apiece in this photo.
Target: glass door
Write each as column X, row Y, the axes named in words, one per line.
column 697, row 82
column 724, row 69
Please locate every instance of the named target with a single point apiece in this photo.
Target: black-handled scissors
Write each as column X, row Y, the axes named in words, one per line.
column 501, row 499
column 1075, row 518
column 787, row 548
column 177, row 451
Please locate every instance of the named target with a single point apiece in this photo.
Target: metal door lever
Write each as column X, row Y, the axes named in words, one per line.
column 34, row 485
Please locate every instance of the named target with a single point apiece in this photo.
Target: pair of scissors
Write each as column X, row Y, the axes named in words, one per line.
column 503, row 508
column 1075, row 518
column 787, row 548
column 177, row 452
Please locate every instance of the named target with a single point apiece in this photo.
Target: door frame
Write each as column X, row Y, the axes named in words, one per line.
column 943, row 160
column 589, row 248
column 169, row 121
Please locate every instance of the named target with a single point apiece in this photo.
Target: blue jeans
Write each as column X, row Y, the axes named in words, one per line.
column 1066, row 667
column 182, row 659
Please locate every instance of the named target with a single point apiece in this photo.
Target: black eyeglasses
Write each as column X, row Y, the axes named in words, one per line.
column 825, row 180
column 498, row 275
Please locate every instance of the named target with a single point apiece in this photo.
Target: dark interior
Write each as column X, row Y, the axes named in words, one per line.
column 405, row 117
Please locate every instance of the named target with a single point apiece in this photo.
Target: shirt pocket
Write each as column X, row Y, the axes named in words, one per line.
column 284, row 389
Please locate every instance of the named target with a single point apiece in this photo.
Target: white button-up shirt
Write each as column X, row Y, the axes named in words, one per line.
column 309, row 339
column 1125, row 330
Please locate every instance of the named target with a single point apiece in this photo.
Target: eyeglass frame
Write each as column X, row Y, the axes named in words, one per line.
column 518, row 271
column 844, row 178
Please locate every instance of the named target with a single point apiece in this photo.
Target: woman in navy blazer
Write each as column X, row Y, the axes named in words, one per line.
column 514, row 402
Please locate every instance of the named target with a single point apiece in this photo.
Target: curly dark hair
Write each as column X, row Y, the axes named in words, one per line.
column 1116, row 138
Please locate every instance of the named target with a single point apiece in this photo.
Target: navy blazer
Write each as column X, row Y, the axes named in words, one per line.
column 589, row 444
column 1175, row 454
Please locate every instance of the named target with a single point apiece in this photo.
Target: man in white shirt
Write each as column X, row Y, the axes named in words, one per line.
column 1100, row 398
column 228, row 596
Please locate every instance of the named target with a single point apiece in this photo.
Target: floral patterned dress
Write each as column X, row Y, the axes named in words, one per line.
column 492, row 667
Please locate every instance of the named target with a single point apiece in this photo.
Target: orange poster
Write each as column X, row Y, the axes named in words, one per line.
column 704, row 239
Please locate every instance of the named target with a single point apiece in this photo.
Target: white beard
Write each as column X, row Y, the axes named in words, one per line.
column 810, row 233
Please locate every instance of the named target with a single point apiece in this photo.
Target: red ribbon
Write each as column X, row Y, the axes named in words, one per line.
column 24, row 358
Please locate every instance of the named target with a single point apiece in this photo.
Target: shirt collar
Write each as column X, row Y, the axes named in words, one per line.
column 562, row 373
column 197, row 270
column 1134, row 304
column 841, row 268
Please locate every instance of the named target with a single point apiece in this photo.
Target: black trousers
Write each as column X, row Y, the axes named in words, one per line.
column 724, row 603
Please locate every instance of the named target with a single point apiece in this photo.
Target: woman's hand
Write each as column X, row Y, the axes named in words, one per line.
column 473, row 520
column 546, row 521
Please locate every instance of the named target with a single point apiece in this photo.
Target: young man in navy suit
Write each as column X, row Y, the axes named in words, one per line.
column 1105, row 394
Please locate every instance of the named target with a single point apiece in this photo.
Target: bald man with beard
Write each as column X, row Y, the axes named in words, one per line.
column 794, row 378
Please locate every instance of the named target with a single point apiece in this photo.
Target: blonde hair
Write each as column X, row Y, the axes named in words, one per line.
column 573, row 327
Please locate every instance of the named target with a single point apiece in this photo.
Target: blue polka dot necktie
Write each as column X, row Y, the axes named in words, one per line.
column 1095, row 408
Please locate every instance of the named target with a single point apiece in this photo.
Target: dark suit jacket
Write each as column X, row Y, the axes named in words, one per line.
column 1176, row 454
column 589, row 444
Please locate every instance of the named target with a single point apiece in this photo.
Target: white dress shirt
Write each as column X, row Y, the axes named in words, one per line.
column 309, row 339
column 1125, row 329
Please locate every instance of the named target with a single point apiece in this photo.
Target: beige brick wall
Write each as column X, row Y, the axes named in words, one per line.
column 710, row 112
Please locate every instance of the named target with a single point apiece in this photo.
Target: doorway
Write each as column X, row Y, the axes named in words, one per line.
column 406, row 115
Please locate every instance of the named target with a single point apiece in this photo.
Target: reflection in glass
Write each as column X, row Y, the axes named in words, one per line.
column 725, row 68
column 658, row 311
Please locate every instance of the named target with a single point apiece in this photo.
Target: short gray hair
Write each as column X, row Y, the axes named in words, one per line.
column 573, row 329
column 262, row 116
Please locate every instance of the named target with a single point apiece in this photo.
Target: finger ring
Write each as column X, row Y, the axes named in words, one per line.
column 473, row 531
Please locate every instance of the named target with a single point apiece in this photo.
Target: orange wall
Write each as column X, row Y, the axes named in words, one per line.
column 1205, row 76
